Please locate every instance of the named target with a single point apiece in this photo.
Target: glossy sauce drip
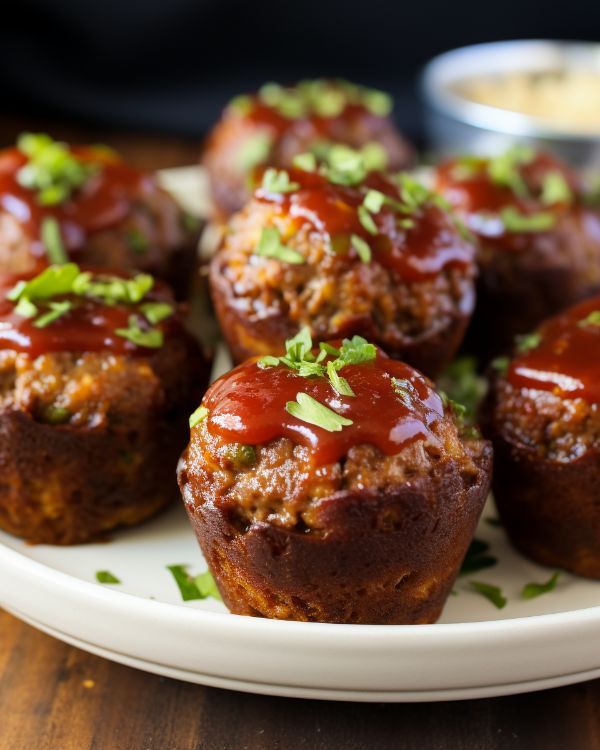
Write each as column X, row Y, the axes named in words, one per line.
column 479, row 200
column 248, row 406
column 102, row 201
column 567, row 359
column 88, row 327
column 416, row 253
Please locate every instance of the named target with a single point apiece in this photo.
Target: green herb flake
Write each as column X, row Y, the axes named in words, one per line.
column 338, row 383
column 504, row 169
column 527, row 342
column 377, row 102
column 373, row 201
column 357, row 350
column 366, row 220
column 25, row 308
column 150, row 338
column 278, row 181
column 329, row 349
column 193, row 588
column 593, row 319
column 477, row 558
column 491, row 593
column 500, row 364
column 309, row 410
column 514, row 221
column 56, row 311
column 207, row 587
column 52, row 239
column 305, row 162
column 242, row 104
column 270, row 246
column 105, row 576
column 555, row 189
column 198, row 416
column 374, row 156
column 51, row 282
column 254, row 151
column 155, row 312
column 532, row 590
column 362, row 248
column 54, row 414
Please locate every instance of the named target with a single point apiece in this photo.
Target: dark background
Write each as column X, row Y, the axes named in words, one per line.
column 170, row 65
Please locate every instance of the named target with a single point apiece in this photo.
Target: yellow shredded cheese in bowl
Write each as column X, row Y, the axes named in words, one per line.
column 568, row 99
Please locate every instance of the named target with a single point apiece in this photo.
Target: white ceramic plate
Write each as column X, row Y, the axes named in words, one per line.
column 475, row 651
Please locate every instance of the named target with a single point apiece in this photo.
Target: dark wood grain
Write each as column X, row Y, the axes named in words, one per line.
column 55, row 697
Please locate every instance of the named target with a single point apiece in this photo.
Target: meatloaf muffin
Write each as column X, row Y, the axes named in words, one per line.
column 543, row 416
column 60, row 202
column 335, row 486
column 345, row 252
column 539, row 243
column 277, row 123
column 97, row 377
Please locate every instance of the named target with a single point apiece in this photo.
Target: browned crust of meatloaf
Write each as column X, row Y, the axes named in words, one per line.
column 518, row 289
column 229, row 181
column 372, row 539
column 261, row 302
column 547, row 477
column 113, row 462
column 169, row 251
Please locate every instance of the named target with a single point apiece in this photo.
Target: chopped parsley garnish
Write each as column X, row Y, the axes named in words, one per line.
column 105, row 576
column 491, row 593
column 338, row 383
column 320, row 97
column 362, row 247
column 309, row 410
column 155, row 312
column 198, row 416
column 270, row 246
column 477, row 558
column 306, row 162
column 531, row 590
column 56, row 311
column 504, row 169
column 593, row 319
column 254, row 151
column 59, row 280
column 52, row 170
column 527, row 342
column 190, row 588
column 460, row 410
column 555, row 189
column 52, row 239
column 278, row 181
column 299, row 357
column 514, row 221
column 150, row 338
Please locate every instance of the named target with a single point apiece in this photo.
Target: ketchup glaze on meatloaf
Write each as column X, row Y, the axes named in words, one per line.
column 275, row 124
column 97, row 377
column 332, row 484
column 60, row 202
column 539, row 240
column 345, row 251
column 544, row 419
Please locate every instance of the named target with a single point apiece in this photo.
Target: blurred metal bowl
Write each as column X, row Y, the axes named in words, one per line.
column 456, row 124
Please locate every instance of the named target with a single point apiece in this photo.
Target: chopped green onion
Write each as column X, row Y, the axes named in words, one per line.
column 149, row 339
column 491, row 593
column 270, row 246
column 56, row 311
column 514, row 221
column 278, row 181
column 198, row 416
column 532, row 590
column 155, row 312
column 362, row 248
column 338, row 383
column 51, row 237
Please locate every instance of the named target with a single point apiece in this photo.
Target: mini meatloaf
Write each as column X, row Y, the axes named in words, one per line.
column 543, row 416
column 539, row 243
column 335, row 486
column 97, row 377
column 276, row 124
column 345, row 252
column 60, row 202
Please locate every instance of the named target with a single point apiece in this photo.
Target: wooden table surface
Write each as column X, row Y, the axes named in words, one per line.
column 55, row 697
